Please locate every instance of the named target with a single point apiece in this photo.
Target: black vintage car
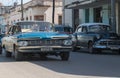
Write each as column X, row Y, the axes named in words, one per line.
column 96, row 37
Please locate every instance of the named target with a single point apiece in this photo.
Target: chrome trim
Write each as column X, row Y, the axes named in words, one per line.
column 45, row 46
column 48, row 42
column 34, row 49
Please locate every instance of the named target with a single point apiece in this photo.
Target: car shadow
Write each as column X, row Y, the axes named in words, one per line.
column 84, row 64
column 81, row 66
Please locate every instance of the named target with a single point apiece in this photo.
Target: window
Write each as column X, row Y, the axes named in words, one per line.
column 30, row 17
column 59, row 19
column 26, row 18
column 84, row 29
column 39, row 17
column 79, row 29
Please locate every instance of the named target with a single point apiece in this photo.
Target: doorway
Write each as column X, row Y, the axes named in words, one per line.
column 75, row 17
column 98, row 14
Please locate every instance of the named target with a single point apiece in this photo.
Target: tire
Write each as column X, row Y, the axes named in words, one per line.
column 43, row 56
column 91, row 50
column 7, row 53
column 64, row 56
column 74, row 49
column 17, row 55
column 98, row 51
column 119, row 51
column 0, row 50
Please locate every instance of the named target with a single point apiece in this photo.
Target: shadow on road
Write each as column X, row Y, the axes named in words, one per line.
column 85, row 64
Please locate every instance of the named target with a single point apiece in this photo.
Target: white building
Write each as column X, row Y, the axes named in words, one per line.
column 84, row 11
column 71, row 16
column 36, row 10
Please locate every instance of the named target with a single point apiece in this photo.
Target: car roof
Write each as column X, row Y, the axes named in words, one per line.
column 89, row 24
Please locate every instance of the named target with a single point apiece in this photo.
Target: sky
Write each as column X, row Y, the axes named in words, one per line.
column 10, row 2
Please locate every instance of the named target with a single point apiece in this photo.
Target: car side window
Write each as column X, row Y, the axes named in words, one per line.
column 17, row 29
column 84, row 29
column 79, row 29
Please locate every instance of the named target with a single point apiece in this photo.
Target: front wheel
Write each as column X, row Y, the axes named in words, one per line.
column 43, row 56
column 119, row 51
column 64, row 56
column 90, row 47
column 0, row 50
column 17, row 55
column 6, row 53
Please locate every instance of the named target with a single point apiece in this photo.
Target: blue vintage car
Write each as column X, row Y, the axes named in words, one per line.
column 35, row 37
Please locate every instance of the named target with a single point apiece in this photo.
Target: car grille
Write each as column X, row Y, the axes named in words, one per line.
column 45, row 42
column 110, row 42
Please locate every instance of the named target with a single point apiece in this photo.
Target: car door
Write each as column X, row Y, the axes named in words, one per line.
column 10, row 39
column 82, row 36
column 6, row 39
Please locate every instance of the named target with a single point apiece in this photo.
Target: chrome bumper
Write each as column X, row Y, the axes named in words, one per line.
column 108, row 47
column 33, row 49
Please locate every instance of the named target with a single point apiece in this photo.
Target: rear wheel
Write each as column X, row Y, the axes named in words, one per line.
column 64, row 56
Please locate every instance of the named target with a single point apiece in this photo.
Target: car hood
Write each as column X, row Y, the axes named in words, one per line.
column 42, row 35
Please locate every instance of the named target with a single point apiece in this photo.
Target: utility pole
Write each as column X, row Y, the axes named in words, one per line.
column 22, row 10
column 63, row 20
column 113, row 15
column 53, row 12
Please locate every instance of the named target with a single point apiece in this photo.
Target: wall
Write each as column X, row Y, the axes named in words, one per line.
column 118, row 18
column 67, row 13
column 45, row 10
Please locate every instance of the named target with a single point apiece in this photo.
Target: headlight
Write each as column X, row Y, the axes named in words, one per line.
column 22, row 43
column 67, row 42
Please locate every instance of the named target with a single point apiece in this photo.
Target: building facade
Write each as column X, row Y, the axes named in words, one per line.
column 84, row 11
column 40, row 10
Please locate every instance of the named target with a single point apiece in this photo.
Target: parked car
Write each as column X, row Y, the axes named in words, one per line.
column 2, row 33
column 1, row 36
column 36, row 37
column 63, row 29
column 96, row 37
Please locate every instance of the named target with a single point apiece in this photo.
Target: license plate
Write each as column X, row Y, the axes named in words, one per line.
column 46, row 49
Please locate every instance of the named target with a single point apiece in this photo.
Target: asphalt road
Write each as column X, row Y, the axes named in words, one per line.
column 80, row 65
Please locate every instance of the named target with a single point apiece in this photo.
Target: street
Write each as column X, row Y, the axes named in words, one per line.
column 80, row 65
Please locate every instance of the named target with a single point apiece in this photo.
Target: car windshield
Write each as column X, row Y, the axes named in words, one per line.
column 35, row 26
column 99, row 28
